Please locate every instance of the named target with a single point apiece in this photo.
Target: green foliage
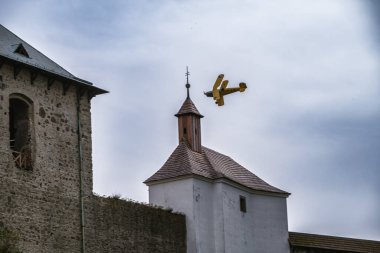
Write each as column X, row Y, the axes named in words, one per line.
column 8, row 241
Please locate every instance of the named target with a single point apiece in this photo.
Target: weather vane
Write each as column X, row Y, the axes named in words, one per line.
column 187, row 81
column 218, row 94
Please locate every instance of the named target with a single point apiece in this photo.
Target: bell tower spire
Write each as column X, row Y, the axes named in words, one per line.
column 187, row 82
column 189, row 121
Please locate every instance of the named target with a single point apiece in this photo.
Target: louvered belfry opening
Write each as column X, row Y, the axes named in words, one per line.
column 189, row 125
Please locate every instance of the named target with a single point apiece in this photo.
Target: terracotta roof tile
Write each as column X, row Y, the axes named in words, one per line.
column 209, row 164
column 333, row 243
column 230, row 169
column 188, row 107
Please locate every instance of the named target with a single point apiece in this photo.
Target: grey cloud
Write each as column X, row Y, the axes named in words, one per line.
column 308, row 122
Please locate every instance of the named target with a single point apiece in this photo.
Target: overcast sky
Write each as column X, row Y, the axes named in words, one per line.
column 309, row 122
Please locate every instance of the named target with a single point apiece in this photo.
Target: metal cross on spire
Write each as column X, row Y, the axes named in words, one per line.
column 187, row 81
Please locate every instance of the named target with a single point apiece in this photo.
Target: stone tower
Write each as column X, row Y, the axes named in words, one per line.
column 227, row 207
column 45, row 147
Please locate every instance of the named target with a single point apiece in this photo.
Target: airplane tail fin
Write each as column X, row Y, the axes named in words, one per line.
column 242, row 87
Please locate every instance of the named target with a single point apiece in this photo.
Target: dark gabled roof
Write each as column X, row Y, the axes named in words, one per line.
column 9, row 43
column 16, row 50
column 333, row 243
column 188, row 107
column 209, row 164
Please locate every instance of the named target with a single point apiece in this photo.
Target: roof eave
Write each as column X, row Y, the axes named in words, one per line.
column 150, row 182
column 189, row 113
column 226, row 180
column 252, row 190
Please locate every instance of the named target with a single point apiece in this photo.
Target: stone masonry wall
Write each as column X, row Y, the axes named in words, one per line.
column 42, row 206
column 118, row 226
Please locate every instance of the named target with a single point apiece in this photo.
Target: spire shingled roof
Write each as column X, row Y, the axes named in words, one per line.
column 188, row 107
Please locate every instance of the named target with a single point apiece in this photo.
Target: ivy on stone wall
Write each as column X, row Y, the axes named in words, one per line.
column 8, row 240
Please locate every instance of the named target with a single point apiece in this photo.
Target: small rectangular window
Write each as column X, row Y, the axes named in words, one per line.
column 243, row 204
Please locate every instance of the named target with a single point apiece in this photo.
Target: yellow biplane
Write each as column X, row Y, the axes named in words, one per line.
column 218, row 94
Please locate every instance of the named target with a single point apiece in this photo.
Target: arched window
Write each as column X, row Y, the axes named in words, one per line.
column 20, row 122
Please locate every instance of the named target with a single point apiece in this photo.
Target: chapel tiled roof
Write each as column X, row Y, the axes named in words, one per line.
column 209, row 164
column 188, row 107
column 9, row 43
column 333, row 243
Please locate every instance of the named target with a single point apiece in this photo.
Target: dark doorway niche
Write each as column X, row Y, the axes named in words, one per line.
column 20, row 131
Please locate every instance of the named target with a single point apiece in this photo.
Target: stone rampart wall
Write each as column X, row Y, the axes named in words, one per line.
column 42, row 205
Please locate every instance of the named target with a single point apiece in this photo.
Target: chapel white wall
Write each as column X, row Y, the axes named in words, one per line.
column 263, row 228
column 214, row 220
column 194, row 198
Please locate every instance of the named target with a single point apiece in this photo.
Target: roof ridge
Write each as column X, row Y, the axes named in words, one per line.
column 220, row 174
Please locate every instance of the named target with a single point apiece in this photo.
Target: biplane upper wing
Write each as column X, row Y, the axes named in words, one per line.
column 215, row 91
column 224, row 85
